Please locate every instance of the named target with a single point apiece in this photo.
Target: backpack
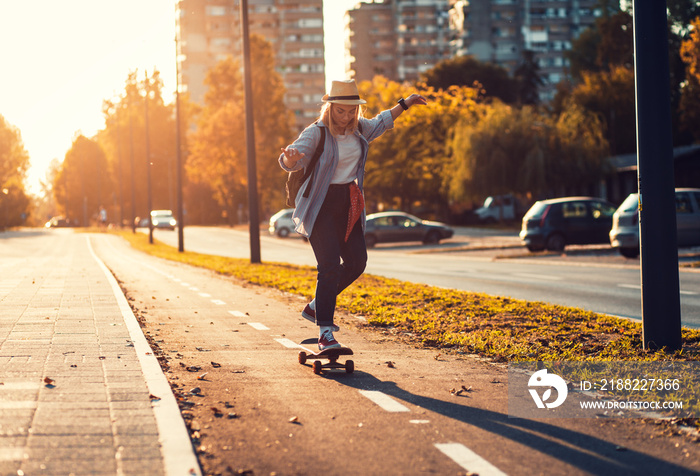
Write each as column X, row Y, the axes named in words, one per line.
column 297, row 178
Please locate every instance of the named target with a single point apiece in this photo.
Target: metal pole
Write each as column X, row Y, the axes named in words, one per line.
column 148, row 166
column 254, row 224
column 661, row 314
column 178, row 153
column 131, row 160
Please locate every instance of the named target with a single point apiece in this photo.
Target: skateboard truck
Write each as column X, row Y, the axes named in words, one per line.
column 327, row 354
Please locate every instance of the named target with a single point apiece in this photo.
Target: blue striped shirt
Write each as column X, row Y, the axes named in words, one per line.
column 307, row 208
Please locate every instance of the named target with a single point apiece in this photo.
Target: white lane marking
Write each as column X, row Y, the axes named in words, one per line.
column 184, row 284
column 639, row 287
column 258, row 326
column 194, row 289
column 13, row 454
column 205, row 295
column 630, row 286
column 290, row 344
column 467, row 459
column 419, row 422
column 384, row 401
column 218, row 302
column 236, row 313
column 538, row 276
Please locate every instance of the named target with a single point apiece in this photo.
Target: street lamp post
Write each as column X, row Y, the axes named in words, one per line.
column 254, row 224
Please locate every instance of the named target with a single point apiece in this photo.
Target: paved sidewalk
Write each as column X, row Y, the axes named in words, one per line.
column 80, row 391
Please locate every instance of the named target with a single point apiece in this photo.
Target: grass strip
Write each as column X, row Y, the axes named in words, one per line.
column 500, row 328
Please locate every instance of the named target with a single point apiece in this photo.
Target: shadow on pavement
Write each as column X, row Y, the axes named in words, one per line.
column 588, row 453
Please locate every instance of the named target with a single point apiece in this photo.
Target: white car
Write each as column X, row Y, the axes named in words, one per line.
column 163, row 219
column 281, row 223
column 624, row 234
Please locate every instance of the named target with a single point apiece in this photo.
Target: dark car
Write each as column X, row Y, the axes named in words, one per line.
column 624, row 234
column 392, row 227
column 553, row 224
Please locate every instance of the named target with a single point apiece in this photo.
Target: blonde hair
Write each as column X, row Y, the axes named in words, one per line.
column 325, row 117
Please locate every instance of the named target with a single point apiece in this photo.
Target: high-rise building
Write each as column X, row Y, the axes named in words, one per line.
column 498, row 31
column 210, row 30
column 399, row 39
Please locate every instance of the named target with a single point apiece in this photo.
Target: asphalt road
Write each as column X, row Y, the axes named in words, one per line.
column 229, row 351
column 594, row 278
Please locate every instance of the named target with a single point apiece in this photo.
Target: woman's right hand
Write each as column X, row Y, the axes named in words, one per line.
column 292, row 156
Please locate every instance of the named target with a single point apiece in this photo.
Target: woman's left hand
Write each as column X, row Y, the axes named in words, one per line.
column 415, row 99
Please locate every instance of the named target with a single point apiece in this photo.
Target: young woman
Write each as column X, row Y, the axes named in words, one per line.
column 332, row 214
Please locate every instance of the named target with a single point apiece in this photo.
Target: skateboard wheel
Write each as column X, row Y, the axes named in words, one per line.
column 317, row 367
column 349, row 366
column 302, row 357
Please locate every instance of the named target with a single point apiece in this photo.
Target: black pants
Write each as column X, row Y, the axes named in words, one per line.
column 328, row 242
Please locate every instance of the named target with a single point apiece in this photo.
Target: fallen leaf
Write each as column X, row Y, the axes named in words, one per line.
column 203, row 376
column 153, row 397
column 390, row 364
column 294, row 419
column 232, row 415
column 49, row 382
column 217, row 412
column 216, row 365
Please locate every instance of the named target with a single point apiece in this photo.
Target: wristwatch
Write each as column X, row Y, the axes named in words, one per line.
column 403, row 104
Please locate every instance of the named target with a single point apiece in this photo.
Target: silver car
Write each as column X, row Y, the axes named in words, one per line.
column 624, row 234
column 281, row 223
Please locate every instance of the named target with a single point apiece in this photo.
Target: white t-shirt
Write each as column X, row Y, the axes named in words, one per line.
column 349, row 155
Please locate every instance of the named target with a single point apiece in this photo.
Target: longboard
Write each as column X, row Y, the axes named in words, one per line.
column 328, row 354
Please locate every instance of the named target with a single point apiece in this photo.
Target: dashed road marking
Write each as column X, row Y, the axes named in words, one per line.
column 419, row 422
column 236, row 313
column 205, row 295
column 258, row 326
column 538, row 276
column 290, row 344
column 218, row 302
column 467, row 459
column 384, row 401
column 629, row 286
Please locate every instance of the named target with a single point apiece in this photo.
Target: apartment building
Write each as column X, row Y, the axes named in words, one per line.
column 498, row 31
column 399, row 39
column 210, row 30
column 402, row 38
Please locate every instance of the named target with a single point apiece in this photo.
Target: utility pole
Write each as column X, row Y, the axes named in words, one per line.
column 661, row 312
column 178, row 152
column 254, row 224
column 148, row 164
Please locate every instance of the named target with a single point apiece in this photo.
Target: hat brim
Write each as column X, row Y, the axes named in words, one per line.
column 345, row 102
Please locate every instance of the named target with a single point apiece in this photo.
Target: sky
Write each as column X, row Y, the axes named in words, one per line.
column 61, row 59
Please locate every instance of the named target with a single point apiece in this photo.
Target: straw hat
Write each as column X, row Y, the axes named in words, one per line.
column 344, row 92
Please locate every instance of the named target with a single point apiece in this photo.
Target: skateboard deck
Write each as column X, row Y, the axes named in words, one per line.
column 328, row 354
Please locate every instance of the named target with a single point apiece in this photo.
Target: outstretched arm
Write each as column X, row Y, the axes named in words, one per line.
column 412, row 100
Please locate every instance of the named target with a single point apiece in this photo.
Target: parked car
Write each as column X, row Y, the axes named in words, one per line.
column 624, row 234
column 498, row 208
column 555, row 223
column 163, row 219
column 390, row 227
column 281, row 223
column 58, row 222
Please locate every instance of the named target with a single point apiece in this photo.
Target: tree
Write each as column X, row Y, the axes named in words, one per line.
column 14, row 163
column 610, row 95
column 690, row 94
column 218, row 148
column 405, row 167
column 124, row 141
column 522, row 151
column 492, row 79
column 527, row 75
column 83, row 182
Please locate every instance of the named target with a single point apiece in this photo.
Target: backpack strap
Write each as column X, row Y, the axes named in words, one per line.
column 310, row 169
